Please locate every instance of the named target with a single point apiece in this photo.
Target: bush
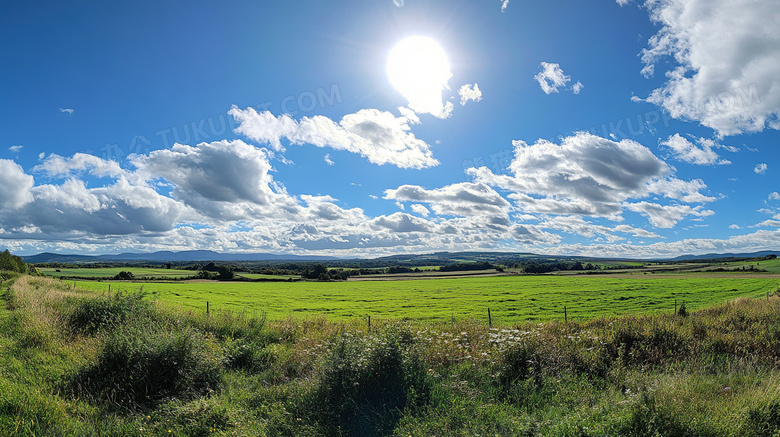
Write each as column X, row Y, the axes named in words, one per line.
column 94, row 314
column 140, row 364
column 366, row 384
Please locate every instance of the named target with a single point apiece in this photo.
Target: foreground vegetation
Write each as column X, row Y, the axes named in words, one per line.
column 76, row 362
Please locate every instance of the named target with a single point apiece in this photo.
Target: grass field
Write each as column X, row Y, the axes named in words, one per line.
column 772, row 265
column 110, row 272
column 511, row 298
column 80, row 363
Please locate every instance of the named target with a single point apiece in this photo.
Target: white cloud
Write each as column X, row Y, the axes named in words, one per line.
column 328, row 160
column 686, row 151
column 420, row 209
column 767, row 223
column 68, row 111
column 725, row 60
column 409, row 115
column 587, row 175
column 378, row 136
column 464, row 199
column 577, row 225
column 774, row 196
column 15, row 148
column 57, row 166
column 504, row 4
column 760, row 168
column 222, row 179
column 666, row 216
column 551, row 78
column 402, row 222
column 469, row 92
column 734, row 226
column 15, row 185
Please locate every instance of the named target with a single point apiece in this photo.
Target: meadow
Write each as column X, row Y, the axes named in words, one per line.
column 76, row 362
column 110, row 272
column 511, row 299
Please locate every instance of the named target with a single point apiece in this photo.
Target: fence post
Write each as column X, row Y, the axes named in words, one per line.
column 675, row 306
column 207, row 308
column 369, row 323
column 565, row 315
column 109, row 288
column 490, row 318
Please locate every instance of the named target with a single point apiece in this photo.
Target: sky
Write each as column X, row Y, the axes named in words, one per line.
column 605, row 128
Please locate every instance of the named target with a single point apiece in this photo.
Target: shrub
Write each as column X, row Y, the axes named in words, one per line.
column 518, row 363
column 683, row 311
column 240, row 354
column 140, row 364
column 94, row 314
column 366, row 384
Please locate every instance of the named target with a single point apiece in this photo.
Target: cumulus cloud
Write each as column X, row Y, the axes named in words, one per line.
column 68, row 111
column 774, row 196
column 578, row 225
column 504, row 4
column 15, row 185
column 666, row 216
column 767, row 223
column 402, row 222
column 222, row 179
column 15, row 148
column 469, row 92
column 587, row 175
column 551, row 78
column 376, row 135
column 57, row 166
column 71, row 210
column 410, row 116
column 761, row 168
column 726, row 54
column 420, row 209
column 684, row 150
column 328, row 160
column 463, row 199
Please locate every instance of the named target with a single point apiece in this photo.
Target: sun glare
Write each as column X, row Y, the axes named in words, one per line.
column 418, row 68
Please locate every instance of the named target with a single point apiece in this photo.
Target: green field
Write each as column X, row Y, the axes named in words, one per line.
column 110, row 272
column 510, row 298
column 772, row 265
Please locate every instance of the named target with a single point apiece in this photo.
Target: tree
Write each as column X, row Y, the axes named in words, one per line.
column 12, row 263
column 316, row 272
column 224, row 273
column 124, row 276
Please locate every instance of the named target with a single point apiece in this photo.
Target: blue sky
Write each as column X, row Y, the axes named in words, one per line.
column 600, row 128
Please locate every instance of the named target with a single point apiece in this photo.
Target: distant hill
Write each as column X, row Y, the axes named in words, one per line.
column 436, row 258
column 188, row 255
column 724, row 255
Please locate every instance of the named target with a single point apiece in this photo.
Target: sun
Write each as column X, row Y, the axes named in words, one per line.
column 418, row 68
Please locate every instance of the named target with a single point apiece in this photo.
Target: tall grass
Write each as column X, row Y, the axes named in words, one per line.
column 82, row 363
